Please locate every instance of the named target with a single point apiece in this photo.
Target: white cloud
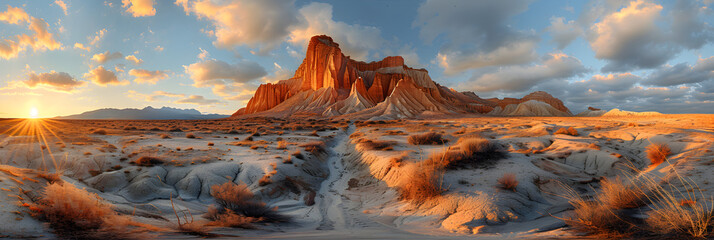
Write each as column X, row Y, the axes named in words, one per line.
column 139, row 8
column 258, row 24
column 521, row 78
column 355, row 40
column 564, row 33
column 59, row 81
column 203, row 55
column 477, row 33
column 146, row 76
column 222, row 77
column 14, row 15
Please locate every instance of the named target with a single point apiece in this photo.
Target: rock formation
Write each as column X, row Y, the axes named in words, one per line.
column 615, row 113
column 330, row 84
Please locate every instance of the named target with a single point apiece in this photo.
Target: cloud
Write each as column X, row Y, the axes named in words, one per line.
column 134, row 60
column 159, row 49
column 520, row 78
column 146, row 76
column 103, row 77
column 279, row 73
column 59, row 81
column 40, row 40
column 477, row 33
column 682, row 73
column 457, row 61
column 258, row 24
column 81, row 46
column 224, row 78
column 139, row 8
column 156, row 95
column 106, row 56
column 203, row 55
column 355, row 40
column 606, row 83
column 62, row 5
column 198, row 100
column 14, row 15
column 563, row 33
column 99, row 35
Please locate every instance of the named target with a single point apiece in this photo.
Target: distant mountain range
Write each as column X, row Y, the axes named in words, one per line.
column 148, row 113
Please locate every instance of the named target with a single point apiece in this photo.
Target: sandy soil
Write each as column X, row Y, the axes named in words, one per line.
column 355, row 188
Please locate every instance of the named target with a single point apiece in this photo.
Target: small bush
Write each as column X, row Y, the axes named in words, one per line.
column 657, row 153
column 423, row 182
column 430, row 138
column 147, row 161
column 508, row 182
column 619, row 195
column 567, row 131
column 229, row 219
column 469, row 152
column 100, row 132
column 240, row 200
column 190, row 135
column 164, row 136
column 377, row 144
column 282, row 145
column 314, row 147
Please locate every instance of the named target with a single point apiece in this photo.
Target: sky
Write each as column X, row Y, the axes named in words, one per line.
column 69, row 56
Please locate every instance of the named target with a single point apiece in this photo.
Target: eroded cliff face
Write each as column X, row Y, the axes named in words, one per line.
column 329, row 84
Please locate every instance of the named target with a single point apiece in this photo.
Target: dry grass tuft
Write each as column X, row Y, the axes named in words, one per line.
column 508, row 182
column 469, row 152
column 147, row 161
column 100, row 132
column 282, row 144
column 423, row 182
column 315, row 147
column 430, row 138
column 377, row 145
column 567, row 131
column 240, row 200
column 617, row 194
column 77, row 214
column 657, row 153
column 190, row 135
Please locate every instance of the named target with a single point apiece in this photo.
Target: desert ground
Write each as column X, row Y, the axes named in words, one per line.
column 466, row 177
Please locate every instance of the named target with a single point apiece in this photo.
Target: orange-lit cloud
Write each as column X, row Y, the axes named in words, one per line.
column 103, row 77
column 62, row 5
column 14, row 15
column 134, row 59
column 222, row 77
column 139, row 8
column 40, row 40
column 198, row 100
column 59, row 81
column 146, row 76
column 106, row 56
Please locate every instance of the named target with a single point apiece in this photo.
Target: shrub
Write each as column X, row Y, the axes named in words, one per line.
column 229, row 219
column 100, row 132
column 190, row 135
column 282, row 145
column 377, row 144
column 430, row 138
column 422, row 182
column 314, row 147
column 469, row 152
column 77, row 214
column 567, row 131
column 147, row 161
column 596, row 219
column 164, row 136
column 240, row 200
column 211, row 144
column 619, row 195
column 508, row 182
column 657, row 153
column 265, row 180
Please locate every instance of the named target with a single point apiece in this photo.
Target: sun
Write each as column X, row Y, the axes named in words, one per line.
column 33, row 112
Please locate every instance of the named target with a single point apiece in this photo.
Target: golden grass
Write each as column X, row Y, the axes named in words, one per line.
column 240, row 200
column 508, row 182
column 424, row 182
column 430, row 138
column 657, row 153
column 567, row 131
column 77, row 214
